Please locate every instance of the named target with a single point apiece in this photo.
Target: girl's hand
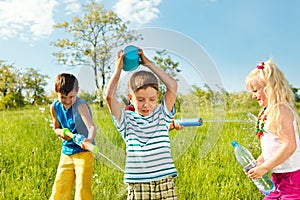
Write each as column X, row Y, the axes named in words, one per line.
column 256, row 172
column 259, row 162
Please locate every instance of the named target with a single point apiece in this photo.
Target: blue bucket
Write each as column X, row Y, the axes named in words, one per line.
column 131, row 59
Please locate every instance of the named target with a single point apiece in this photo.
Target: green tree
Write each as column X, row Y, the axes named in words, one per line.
column 296, row 93
column 35, row 83
column 19, row 88
column 12, row 100
column 86, row 96
column 204, row 97
column 164, row 61
column 10, row 91
column 8, row 79
column 93, row 37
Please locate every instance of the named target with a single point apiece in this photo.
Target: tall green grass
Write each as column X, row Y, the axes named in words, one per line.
column 30, row 151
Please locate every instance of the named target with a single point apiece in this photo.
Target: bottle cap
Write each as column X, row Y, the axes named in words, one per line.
column 234, row 143
column 131, row 59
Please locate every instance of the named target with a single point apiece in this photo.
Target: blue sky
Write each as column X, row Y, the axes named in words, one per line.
column 236, row 35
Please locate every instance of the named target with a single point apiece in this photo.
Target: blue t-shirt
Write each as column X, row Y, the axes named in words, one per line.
column 71, row 119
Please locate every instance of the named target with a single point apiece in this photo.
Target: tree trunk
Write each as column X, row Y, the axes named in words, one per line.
column 102, row 89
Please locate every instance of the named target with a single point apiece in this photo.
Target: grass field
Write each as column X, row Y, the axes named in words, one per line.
column 30, row 151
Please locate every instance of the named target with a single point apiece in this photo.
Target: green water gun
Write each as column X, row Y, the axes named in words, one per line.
column 79, row 140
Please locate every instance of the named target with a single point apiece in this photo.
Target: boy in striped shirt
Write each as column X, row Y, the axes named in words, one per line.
column 149, row 168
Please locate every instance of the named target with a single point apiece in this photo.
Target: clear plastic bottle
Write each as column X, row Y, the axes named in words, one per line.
column 247, row 161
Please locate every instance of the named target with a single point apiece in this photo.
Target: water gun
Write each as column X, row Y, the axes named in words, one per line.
column 79, row 140
column 189, row 121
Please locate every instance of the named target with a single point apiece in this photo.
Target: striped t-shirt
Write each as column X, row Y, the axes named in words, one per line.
column 147, row 145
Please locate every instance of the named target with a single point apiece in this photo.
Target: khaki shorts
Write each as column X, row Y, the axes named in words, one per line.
column 162, row 189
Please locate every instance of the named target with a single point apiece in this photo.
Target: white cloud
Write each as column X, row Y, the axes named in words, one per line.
column 72, row 6
column 137, row 11
column 26, row 19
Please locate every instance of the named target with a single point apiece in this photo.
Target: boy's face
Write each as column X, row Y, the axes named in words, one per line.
column 144, row 100
column 67, row 100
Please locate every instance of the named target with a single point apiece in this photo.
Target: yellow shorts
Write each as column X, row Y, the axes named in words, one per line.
column 78, row 169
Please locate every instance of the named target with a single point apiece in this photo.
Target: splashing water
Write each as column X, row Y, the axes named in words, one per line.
column 112, row 162
column 197, row 70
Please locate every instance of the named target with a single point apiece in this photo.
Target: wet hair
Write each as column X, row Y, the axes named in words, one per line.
column 142, row 80
column 65, row 83
column 276, row 88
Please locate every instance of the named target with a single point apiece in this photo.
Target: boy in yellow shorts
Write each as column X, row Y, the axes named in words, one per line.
column 76, row 164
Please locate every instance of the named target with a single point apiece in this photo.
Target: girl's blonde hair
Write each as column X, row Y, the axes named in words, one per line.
column 277, row 90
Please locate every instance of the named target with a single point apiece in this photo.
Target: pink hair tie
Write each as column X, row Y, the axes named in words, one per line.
column 261, row 65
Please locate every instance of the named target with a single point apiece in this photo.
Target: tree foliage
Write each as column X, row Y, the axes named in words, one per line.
column 87, row 97
column 35, row 84
column 94, row 35
column 164, row 61
column 17, row 88
column 8, row 79
column 296, row 93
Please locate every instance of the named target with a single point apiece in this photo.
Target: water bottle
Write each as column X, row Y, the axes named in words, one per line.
column 247, row 161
